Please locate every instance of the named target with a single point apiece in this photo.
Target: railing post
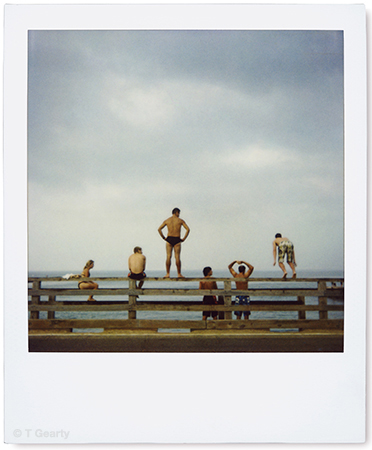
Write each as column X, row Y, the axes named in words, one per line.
column 322, row 301
column 132, row 301
column 301, row 314
column 35, row 299
column 227, row 300
column 301, row 301
column 51, row 301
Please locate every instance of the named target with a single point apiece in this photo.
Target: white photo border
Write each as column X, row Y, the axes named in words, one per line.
column 292, row 398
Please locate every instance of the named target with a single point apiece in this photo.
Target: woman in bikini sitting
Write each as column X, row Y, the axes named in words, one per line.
column 88, row 284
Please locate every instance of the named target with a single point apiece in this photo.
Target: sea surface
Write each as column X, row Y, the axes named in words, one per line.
column 180, row 315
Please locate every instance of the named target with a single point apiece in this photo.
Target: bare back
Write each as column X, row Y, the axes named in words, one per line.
column 207, row 285
column 85, row 273
column 174, row 225
column 279, row 240
column 242, row 284
column 137, row 263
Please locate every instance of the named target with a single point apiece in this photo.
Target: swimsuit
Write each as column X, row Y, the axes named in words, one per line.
column 242, row 300
column 285, row 247
column 209, row 300
column 136, row 276
column 86, row 281
column 89, row 282
column 173, row 240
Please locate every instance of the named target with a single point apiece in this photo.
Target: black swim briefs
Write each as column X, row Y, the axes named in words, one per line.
column 136, row 276
column 173, row 240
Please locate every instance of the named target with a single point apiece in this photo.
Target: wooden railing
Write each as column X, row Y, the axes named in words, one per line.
column 273, row 299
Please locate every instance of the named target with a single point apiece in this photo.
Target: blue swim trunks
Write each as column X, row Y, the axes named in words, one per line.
column 242, row 300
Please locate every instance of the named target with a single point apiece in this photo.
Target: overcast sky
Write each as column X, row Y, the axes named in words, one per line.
column 242, row 130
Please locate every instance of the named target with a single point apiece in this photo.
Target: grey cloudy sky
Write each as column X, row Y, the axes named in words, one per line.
column 242, row 130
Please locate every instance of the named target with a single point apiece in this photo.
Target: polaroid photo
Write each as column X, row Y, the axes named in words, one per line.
column 185, row 223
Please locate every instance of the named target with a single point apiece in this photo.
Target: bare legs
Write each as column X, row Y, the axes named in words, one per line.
column 292, row 266
column 169, row 250
column 88, row 285
column 214, row 317
column 177, row 255
column 282, row 266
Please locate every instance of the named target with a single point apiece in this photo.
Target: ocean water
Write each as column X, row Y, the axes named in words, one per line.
column 180, row 315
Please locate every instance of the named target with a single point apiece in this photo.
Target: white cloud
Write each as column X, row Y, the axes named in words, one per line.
column 259, row 157
column 140, row 106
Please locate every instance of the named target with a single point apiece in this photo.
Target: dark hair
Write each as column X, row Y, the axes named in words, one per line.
column 137, row 249
column 206, row 270
column 176, row 210
column 241, row 269
column 278, row 235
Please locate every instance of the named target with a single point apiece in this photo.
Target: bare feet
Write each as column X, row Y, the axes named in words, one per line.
column 91, row 299
column 284, row 276
column 167, row 276
column 180, row 275
column 294, row 275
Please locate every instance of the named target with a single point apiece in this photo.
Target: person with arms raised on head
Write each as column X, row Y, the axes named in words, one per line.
column 285, row 247
column 174, row 225
column 137, row 266
column 88, row 284
column 241, row 285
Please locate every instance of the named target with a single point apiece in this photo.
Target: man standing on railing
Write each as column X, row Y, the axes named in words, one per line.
column 174, row 225
column 241, row 285
column 137, row 266
column 285, row 247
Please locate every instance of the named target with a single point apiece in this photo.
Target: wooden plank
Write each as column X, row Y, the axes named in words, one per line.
column 276, row 324
column 35, row 299
column 188, row 292
column 190, row 279
column 39, row 324
column 301, row 312
column 190, row 324
column 323, row 314
column 168, row 306
column 51, row 302
column 227, row 298
column 132, row 300
column 199, row 342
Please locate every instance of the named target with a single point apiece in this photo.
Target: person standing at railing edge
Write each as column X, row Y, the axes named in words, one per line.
column 208, row 299
column 137, row 266
column 285, row 247
column 241, row 285
column 174, row 225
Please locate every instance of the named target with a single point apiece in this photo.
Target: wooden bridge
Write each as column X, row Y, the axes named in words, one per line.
column 323, row 302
